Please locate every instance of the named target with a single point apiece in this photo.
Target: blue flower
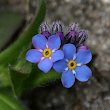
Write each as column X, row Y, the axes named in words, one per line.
column 46, row 51
column 73, row 65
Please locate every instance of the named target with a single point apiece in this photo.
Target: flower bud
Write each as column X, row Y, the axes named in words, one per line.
column 61, row 35
column 45, row 30
column 83, row 47
column 74, row 27
column 57, row 27
column 81, row 38
column 71, row 36
column 46, row 34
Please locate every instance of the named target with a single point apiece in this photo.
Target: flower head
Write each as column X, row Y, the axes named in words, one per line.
column 73, row 65
column 46, row 51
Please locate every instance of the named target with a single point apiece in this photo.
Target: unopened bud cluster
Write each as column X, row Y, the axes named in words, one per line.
column 74, row 35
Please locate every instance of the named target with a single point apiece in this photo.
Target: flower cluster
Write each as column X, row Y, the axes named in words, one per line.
column 70, row 61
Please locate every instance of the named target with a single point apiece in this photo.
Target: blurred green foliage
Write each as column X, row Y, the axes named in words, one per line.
column 9, row 23
column 8, row 102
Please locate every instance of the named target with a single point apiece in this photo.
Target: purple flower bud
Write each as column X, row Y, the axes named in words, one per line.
column 81, row 38
column 46, row 34
column 83, row 47
column 45, row 29
column 57, row 27
column 71, row 36
column 61, row 35
column 74, row 27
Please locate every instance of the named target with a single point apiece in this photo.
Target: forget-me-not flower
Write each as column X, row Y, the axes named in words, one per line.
column 73, row 65
column 46, row 51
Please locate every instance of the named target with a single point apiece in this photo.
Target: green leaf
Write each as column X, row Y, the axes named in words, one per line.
column 8, row 102
column 22, row 82
column 10, row 22
column 17, row 80
column 15, row 54
column 10, row 55
column 23, row 65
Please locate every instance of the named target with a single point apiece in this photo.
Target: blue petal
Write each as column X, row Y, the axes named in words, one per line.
column 33, row 56
column 60, row 65
column 54, row 42
column 39, row 41
column 57, row 55
column 83, row 57
column 69, row 51
column 68, row 78
column 45, row 65
column 83, row 73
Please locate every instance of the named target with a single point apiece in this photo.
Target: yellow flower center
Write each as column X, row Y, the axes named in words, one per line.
column 71, row 64
column 47, row 53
